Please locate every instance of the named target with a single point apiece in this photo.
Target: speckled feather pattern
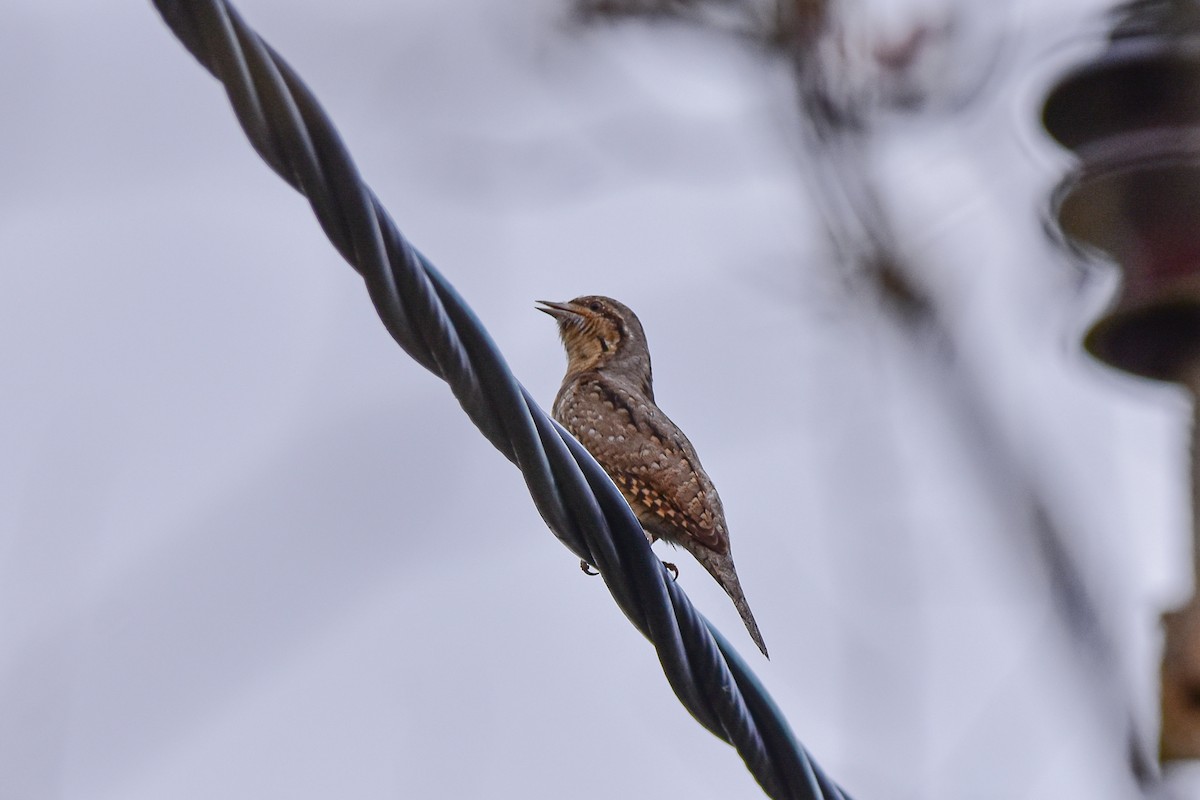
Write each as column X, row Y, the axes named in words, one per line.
column 647, row 456
column 607, row 403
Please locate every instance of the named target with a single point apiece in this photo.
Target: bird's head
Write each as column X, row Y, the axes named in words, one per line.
column 600, row 333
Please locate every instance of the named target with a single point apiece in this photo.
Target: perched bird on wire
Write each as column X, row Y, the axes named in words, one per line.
column 607, row 403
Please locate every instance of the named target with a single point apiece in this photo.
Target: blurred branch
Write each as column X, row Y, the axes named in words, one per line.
column 848, row 77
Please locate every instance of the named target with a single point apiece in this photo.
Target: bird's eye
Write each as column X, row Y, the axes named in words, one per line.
column 594, row 305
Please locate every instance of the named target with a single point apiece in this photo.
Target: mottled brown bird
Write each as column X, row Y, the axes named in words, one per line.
column 607, row 403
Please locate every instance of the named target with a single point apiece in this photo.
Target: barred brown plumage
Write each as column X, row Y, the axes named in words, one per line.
column 607, row 402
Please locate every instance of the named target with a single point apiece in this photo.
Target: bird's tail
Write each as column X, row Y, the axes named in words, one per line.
column 720, row 566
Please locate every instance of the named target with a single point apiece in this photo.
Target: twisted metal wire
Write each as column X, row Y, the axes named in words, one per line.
column 425, row 315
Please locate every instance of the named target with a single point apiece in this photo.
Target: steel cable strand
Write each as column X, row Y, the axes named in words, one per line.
column 425, row 315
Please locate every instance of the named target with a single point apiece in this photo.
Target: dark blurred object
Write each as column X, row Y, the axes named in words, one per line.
column 1133, row 117
column 1181, row 685
column 590, row 9
column 854, row 74
column 783, row 23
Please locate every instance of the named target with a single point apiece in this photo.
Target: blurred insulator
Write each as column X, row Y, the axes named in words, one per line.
column 1133, row 117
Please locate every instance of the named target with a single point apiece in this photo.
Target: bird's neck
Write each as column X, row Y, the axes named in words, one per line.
column 633, row 373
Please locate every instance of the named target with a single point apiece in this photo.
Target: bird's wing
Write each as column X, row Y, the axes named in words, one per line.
column 652, row 462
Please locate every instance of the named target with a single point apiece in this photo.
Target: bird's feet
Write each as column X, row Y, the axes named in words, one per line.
column 588, row 570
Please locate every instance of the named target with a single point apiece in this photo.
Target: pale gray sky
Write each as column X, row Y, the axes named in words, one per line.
column 248, row 549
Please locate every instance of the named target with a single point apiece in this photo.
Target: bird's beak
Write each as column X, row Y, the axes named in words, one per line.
column 556, row 310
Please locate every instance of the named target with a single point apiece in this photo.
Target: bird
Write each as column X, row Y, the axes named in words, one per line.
column 607, row 402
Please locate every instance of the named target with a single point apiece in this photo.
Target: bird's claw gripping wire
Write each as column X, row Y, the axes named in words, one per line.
column 589, row 570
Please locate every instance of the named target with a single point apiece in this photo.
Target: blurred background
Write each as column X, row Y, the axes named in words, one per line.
column 248, row 549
